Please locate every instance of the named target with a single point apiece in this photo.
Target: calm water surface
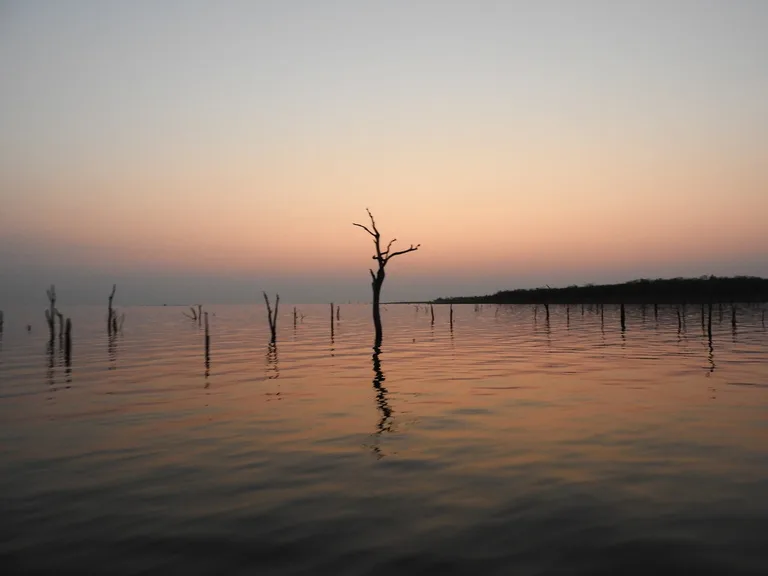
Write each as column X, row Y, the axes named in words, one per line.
column 507, row 446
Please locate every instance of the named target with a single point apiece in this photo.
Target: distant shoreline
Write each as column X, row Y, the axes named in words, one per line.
column 703, row 290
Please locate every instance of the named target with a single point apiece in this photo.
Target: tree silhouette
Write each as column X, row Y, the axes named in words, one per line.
column 381, row 257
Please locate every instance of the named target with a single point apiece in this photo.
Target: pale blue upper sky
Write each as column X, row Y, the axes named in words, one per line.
column 123, row 123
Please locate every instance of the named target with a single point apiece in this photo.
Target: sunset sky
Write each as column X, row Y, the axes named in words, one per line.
column 204, row 151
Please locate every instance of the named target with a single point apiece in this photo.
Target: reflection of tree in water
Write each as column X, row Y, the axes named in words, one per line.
column 54, row 361
column 382, row 403
column 273, row 367
column 50, row 353
column 112, row 350
column 385, row 424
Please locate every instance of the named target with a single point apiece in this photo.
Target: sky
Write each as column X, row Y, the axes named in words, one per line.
column 204, row 151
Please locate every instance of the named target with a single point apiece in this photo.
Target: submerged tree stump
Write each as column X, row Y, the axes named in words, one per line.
column 272, row 317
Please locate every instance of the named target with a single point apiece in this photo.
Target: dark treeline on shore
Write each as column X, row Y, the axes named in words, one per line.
column 661, row 291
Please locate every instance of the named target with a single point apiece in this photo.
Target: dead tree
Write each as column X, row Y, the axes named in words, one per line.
column 111, row 321
column 61, row 323
column 50, row 314
column 272, row 317
column 382, row 257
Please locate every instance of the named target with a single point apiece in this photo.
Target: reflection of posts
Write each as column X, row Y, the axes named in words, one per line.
column 207, row 347
column 385, row 424
column 50, row 356
column 711, row 355
column 112, row 351
column 68, row 343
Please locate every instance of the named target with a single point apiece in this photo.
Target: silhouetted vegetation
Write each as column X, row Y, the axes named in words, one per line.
column 381, row 257
column 197, row 315
column 662, row 291
column 114, row 319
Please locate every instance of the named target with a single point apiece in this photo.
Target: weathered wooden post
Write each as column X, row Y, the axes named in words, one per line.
column 111, row 322
column 294, row 317
column 679, row 320
column 733, row 316
column 50, row 314
column 338, row 313
column 432, row 312
column 623, row 318
column 331, row 319
column 702, row 317
column 68, row 342
column 207, row 343
column 655, row 311
column 709, row 323
column 451, row 317
column 567, row 315
column 2, row 320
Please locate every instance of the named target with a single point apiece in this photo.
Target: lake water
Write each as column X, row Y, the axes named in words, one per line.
column 505, row 446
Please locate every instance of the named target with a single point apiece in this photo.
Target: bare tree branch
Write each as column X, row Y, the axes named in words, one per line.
column 411, row 249
column 389, row 246
column 373, row 222
column 364, row 228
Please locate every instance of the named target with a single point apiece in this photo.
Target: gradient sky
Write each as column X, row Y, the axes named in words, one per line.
column 204, row 151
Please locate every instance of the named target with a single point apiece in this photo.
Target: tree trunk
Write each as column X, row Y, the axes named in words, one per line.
column 376, row 285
